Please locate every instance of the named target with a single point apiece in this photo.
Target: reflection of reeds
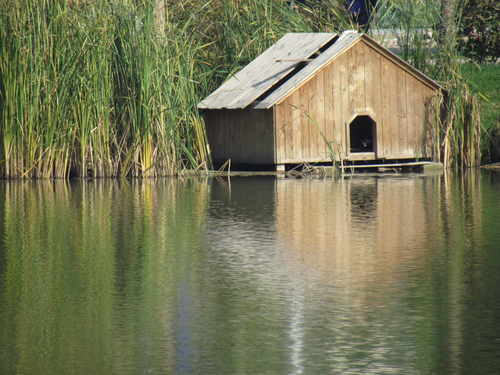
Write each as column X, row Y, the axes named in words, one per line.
column 76, row 253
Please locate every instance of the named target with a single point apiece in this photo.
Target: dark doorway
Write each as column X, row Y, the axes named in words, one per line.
column 361, row 134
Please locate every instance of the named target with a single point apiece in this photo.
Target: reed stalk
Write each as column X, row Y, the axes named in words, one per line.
column 93, row 89
column 109, row 89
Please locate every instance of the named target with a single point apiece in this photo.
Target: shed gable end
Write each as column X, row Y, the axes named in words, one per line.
column 358, row 82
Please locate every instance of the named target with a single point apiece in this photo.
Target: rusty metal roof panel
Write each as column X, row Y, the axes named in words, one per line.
column 266, row 70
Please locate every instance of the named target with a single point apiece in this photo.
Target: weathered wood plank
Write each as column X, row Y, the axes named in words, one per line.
column 370, row 78
column 280, row 132
column 359, row 54
column 320, row 113
column 374, row 100
column 386, row 106
column 344, row 91
column 227, row 129
column 218, row 131
column 304, row 122
column 289, row 130
column 247, row 134
column 351, row 89
column 329, row 117
column 419, row 118
column 222, row 143
column 232, row 137
column 238, row 148
column 265, row 137
column 337, row 103
column 403, row 130
column 274, row 135
column 296, row 124
column 410, row 111
column 313, row 114
column 394, row 110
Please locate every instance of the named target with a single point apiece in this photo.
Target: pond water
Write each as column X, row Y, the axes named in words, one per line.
column 262, row 275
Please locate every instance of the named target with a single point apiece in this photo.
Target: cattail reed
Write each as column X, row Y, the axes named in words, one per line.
column 110, row 88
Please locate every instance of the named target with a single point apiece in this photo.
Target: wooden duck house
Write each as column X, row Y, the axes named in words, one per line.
column 313, row 93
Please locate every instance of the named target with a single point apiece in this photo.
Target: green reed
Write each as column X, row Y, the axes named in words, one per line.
column 93, row 89
column 107, row 89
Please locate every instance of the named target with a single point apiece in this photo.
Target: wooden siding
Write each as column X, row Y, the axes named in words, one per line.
column 360, row 81
column 242, row 135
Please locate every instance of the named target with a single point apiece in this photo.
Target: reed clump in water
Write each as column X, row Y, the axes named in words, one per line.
column 93, row 89
column 106, row 88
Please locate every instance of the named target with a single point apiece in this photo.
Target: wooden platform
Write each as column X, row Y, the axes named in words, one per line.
column 388, row 165
column 494, row 166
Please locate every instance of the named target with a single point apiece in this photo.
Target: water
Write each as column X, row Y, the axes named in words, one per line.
column 384, row 275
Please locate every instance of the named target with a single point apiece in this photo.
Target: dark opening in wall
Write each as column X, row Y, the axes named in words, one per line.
column 362, row 131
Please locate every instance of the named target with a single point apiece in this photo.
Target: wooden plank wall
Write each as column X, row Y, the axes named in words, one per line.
column 242, row 135
column 361, row 80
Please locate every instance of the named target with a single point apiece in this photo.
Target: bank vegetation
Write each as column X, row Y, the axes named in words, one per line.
column 107, row 88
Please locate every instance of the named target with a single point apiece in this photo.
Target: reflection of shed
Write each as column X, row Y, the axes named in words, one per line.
column 311, row 89
column 357, row 226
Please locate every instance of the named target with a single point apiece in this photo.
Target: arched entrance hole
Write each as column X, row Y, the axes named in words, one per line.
column 362, row 134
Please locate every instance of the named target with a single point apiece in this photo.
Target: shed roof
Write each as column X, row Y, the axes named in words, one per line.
column 265, row 71
column 273, row 66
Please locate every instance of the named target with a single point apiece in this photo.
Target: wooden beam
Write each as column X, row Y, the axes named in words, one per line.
column 295, row 60
column 385, row 165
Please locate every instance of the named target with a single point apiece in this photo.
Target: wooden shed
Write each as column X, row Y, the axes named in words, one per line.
column 311, row 90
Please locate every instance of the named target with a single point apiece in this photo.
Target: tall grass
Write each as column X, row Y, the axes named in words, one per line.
column 107, row 88
column 91, row 89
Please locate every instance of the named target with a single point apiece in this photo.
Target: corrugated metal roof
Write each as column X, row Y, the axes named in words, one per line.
column 263, row 72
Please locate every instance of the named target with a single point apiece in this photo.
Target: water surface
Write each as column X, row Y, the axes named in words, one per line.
column 378, row 274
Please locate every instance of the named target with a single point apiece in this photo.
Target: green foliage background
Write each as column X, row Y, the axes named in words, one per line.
column 480, row 28
column 107, row 88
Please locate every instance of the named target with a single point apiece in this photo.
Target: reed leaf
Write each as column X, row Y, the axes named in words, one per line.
column 109, row 89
